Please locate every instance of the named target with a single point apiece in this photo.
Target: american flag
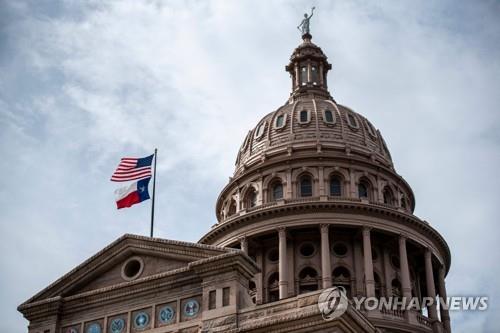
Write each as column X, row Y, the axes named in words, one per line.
column 131, row 168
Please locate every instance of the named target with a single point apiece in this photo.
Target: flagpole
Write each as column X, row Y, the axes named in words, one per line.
column 153, row 199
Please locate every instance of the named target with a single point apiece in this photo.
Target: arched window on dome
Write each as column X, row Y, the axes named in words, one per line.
column 328, row 117
column 273, row 287
column 260, row 131
column 370, row 128
column 308, row 280
column 364, row 189
column 304, row 117
column 251, row 198
column 341, row 277
column 280, row 121
column 335, row 186
column 276, row 190
column 352, row 121
column 305, row 186
column 388, row 196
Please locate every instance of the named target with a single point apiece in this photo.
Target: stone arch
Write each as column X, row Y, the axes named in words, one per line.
column 272, row 286
column 308, row 279
column 332, row 188
column 388, row 195
column 299, row 174
column 342, row 276
column 246, row 191
column 365, row 188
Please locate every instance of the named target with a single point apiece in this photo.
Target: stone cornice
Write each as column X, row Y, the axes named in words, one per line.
column 336, row 205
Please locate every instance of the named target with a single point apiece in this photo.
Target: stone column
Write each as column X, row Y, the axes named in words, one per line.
column 405, row 271
column 297, row 82
column 368, row 260
column 326, row 265
column 283, row 272
column 321, row 182
column 445, row 315
column 258, row 277
column 321, row 75
column 352, row 187
column 358, row 267
column 244, row 244
column 387, row 273
column 431, row 290
column 289, row 185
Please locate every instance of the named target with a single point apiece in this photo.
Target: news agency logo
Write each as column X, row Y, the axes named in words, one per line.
column 332, row 303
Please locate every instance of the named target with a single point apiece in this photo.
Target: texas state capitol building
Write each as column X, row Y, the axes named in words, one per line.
column 314, row 202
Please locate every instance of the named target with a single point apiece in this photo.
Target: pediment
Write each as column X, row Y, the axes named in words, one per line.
column 136, row 266
column 118, row 263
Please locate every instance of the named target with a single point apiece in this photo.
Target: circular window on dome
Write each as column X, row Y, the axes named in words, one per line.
column 167, row 315
column 340, row 249
column 141, row 320
column 191, row 308
column 94, row 328
column 395, row 261
column 132, row 268
column 117, row 325
column 307, row 249
column 273, row 255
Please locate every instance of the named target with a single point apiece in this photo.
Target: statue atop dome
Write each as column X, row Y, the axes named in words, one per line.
column 304, row 25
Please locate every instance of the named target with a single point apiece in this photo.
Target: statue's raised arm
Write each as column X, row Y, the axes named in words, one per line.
column 304, row 25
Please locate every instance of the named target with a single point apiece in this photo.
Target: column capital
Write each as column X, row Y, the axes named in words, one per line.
column 366, row 230
column 403, row 237
column 324, row 227
column 428, row 252
column 281, row 231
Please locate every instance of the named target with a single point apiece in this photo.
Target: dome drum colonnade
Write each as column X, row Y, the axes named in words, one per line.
column 316, row 202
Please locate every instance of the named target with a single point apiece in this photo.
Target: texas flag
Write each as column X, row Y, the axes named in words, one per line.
column 132, row 194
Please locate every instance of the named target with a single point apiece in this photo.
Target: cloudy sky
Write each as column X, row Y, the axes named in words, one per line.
column 84, row 83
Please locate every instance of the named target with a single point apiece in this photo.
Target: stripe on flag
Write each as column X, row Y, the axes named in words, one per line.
column 132, row 168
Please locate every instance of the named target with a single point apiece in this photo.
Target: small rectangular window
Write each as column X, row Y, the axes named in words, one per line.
column 280, row 121
column 303, row 75
column 314, row 75
column 225, row 296
column 212, row 300
column 328, row 116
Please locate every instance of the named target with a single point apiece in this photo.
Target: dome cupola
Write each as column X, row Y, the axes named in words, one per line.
column 308, row 69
